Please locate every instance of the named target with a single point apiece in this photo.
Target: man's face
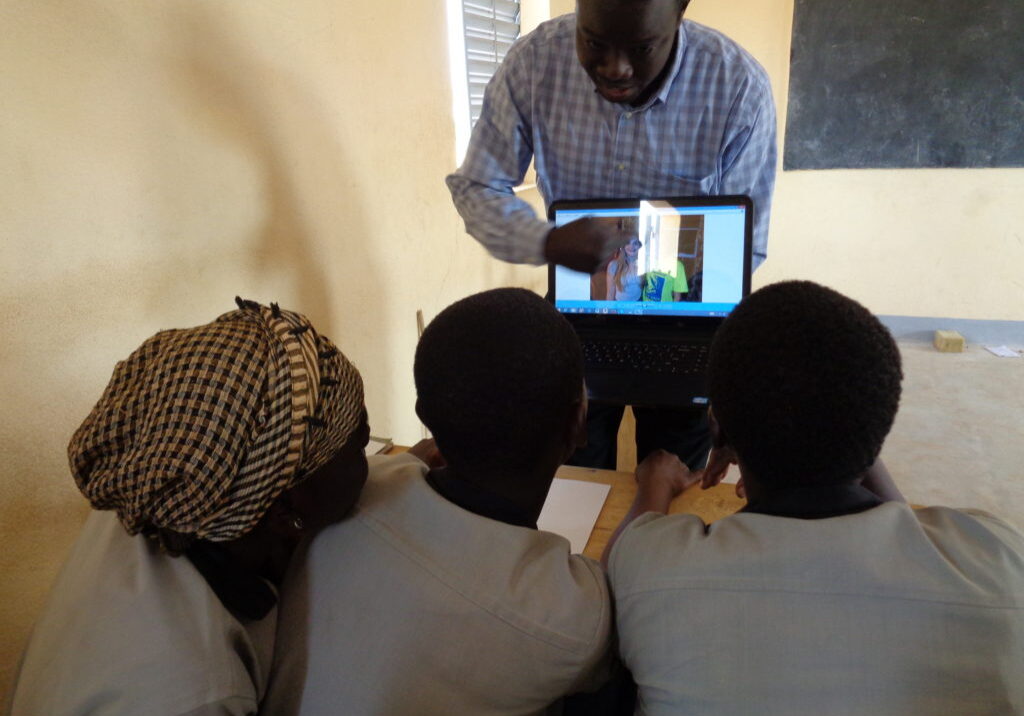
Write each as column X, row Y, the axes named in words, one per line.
column 624, row 46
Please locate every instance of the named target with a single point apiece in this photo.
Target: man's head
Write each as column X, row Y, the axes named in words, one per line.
column 499, row 382
column 624, row 45
column 804, row 385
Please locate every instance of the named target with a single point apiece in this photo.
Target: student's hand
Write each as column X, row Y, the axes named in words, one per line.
column 660, row 478
column 584, row 245
column 427, row 452
column 661, row 471
column 718, row 465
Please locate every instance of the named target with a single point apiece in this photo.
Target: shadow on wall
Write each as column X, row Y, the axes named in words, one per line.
column 314, row 234
column 309, row 250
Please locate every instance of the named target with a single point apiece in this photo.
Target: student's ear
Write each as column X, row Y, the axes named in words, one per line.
column 715, row 428
column 283, row 519
column 721, row 457
column 419, row 414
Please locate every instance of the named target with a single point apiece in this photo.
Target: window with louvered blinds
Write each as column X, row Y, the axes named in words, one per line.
column 490, row 28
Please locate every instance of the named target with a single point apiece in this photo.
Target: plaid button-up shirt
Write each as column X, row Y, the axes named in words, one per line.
column 709, row 129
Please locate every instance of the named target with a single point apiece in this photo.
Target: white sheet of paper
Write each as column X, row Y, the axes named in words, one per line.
column 374, row 446
column 571, row 510
column 1002, row 351
column 733, row 476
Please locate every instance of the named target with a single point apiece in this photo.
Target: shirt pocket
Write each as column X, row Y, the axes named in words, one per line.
column 683, row 185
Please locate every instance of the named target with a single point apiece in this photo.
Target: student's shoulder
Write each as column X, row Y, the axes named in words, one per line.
column 648, row 540
column 578, row 604
column 976, row 540
column 543, row 558
column 388, row 475
column 158, row 654
column 969, row 523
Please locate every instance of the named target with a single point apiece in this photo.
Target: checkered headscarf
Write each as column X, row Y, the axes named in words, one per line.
column 201, row 429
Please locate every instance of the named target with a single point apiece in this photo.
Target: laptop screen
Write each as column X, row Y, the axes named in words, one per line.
column 685, row 258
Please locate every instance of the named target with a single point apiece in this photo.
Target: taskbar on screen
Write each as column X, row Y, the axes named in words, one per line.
column 645, row 308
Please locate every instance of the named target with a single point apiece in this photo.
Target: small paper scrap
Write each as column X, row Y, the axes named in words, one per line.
column 1002, row 351
column 377, row 445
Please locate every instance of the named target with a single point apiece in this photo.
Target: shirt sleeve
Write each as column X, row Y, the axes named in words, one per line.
column 1008, row 533
column 232, row 706
column 619, row 560
column 597, row 665
column 499, row 153
column 749, row 158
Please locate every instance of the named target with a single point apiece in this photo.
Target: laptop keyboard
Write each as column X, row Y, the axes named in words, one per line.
column 652, row 356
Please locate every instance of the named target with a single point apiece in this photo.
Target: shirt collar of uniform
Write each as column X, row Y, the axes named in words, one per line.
column 478, row 499
column 815, row 502
column 677, row 60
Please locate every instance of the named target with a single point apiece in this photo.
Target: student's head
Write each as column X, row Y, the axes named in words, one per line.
column 499, row 383
column 625, row 44
column 251, row 423
column 804, row 385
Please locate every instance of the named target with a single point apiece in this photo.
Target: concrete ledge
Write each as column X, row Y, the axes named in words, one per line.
column 976, row 332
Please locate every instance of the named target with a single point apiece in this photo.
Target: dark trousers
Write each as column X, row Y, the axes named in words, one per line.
column 683, row 431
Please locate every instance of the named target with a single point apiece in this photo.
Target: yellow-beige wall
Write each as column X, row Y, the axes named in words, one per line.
column 158, row 158
column 916, row 242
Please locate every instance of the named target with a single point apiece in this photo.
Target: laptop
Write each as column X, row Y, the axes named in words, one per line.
column 646, row 322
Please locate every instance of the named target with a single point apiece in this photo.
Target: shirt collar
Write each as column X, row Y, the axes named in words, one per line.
column 477, row 499
column 677, row 60
column 817, row 502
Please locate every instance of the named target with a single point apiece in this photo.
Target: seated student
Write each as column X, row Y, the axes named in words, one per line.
column 827, row 594
column 439, row 595
column 212, row 451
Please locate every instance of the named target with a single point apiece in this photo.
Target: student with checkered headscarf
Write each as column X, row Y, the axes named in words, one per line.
column 211, row 453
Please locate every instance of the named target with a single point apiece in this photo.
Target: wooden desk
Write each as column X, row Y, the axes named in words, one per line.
column 709, row 505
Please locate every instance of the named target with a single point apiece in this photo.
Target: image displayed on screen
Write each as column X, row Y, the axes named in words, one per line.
column 677, row 261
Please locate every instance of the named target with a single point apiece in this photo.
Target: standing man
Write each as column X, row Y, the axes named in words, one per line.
column 623, row 99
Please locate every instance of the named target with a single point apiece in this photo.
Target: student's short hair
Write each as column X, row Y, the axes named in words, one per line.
column 805, row 384
column 497, row 375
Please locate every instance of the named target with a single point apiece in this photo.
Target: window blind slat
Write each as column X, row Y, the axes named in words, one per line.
column 489, row 28
column 481, row 68
column 487, row 46
column 508, row 9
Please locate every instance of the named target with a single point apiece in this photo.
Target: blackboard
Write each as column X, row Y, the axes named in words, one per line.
column 906, row 83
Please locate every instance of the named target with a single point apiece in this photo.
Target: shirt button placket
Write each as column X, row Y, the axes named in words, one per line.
column 622, row 143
